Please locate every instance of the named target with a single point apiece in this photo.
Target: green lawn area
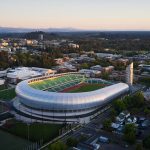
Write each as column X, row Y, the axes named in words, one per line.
column 11, row 142
column 7, row 94
column 37, row 131
column 87, row 88
column 2, row 87
column 145, row 81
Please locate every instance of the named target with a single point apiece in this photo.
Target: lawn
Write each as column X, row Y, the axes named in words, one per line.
column 37, row 131
column 87, row 88
column 7, row 94
column 2, row 87
column 145, row 81
column 11, row 142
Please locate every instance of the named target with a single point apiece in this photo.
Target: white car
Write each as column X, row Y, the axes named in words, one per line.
column 96, row 146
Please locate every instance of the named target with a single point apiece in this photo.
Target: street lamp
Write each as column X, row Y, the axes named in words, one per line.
column 28, row 124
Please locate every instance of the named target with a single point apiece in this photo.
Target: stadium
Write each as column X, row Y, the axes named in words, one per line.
column 68, row 97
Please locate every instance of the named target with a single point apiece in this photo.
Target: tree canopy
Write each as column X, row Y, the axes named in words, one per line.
column 130, row 133
column 58, row 146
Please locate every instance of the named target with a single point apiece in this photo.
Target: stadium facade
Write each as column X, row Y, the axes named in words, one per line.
column 42, row 98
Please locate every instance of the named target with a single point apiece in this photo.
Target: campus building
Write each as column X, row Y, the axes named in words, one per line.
column 129, row 74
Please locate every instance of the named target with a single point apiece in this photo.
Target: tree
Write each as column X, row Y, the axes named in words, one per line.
column 105, row 75
column 84, row 66
column 135, row 101
column 145, row 81
column 139, row 147
column 58, row 146
column 130, row 133
column 147, row 111
column 119, row 106
column 138, row 100
column 113, row 114
column 146, row 142
column 107, row 125
column 72, row 142
column 127, row 101
column 4, row 61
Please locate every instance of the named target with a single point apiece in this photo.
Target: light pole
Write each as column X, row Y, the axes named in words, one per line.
column 28, row 124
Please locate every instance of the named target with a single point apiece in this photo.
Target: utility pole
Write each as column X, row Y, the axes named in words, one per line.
column 28, row 125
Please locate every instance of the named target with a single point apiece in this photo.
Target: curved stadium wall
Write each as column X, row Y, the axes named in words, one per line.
column 60, row 107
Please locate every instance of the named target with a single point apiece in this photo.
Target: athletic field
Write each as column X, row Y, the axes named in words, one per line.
column 84, row 87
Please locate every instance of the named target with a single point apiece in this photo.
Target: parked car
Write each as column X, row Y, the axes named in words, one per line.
column 103, row 139
column 96, row 146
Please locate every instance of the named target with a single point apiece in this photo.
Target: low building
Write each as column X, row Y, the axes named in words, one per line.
column 131, row 119
column 145, row 67
column 89, row 72
column 97, row 67
column 122, row 116
column 107, row 55
column 145, row 74
column 22, row 73
column 73, row 55
column 5, row 49
column 145, row 124
column 31, row 42
column 108, row 69
column 2, row 82
column 84, row 59
column 117, row 76
column 70, row 66
column 147, row 95
column 115, row 125
column 123, row 61
column 3, row 73
column 52, row 43
column 72, row 45
column 59, row 61
column 129, row 74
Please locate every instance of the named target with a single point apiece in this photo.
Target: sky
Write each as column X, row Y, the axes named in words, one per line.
column 80, row 14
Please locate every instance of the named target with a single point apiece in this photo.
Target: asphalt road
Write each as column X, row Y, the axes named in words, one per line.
column 90, row 127
column 93, row 131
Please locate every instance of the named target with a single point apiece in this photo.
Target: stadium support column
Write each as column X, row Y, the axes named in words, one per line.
column 31, row 115
column 65, row 117
column 42, row 116
column 19, row 111
column 28, row 125
column 53, row 112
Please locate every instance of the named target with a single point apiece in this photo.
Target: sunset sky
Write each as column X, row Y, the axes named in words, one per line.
column 81, row 14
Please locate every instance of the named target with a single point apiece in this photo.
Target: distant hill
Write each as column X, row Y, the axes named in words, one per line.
column 71, row 33
column 35, row 35
column 25, row 30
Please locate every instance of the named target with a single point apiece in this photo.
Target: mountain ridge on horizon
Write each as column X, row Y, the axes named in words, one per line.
column 6, row 30
column 25, row 30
